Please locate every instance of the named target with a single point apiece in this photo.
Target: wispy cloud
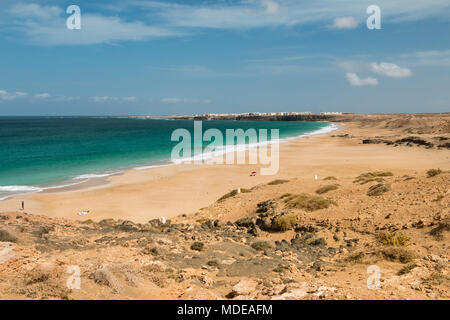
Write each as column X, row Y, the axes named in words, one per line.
column 356, row 81
column 262, row 13
column 45, row 25
column 439, row 58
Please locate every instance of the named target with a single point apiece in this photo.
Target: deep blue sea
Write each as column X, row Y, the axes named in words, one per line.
column 41, row 152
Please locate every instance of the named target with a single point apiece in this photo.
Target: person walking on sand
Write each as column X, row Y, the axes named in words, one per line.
column 23, row 205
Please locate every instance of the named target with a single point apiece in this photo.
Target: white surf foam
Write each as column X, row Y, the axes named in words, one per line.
column 92, row 176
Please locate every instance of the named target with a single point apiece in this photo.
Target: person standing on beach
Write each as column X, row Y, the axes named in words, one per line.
column 23, row 205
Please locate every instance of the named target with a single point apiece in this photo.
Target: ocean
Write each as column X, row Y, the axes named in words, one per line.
column 41, row 153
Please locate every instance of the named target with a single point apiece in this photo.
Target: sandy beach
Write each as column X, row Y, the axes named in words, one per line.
column 142, row 195
column 381, row 199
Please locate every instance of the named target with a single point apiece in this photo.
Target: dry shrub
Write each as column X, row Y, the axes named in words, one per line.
column 397, row 254
column 326, row 189
column 433, row 172
column 378, row 189
column 277, row 182
column 393, row 239
column 284, row 222
column 309, row 202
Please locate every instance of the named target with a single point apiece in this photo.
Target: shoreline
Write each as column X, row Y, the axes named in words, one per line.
column 171, row 191
column 101, row 178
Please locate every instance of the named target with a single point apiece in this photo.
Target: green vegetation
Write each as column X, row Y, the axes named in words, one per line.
column 198, row 246
column 284, row 222
column 326, row 189
column 393, row 239
column 202, row 220
column 261, row 245
column 329, row 178
column 378, row 189
column 406, row 269
column 308, row 202
column 433, row 172
column 285, row 195
column 5, row 236
column 276, row 182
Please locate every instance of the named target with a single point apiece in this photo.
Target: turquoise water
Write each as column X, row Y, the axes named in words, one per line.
column 39, row 151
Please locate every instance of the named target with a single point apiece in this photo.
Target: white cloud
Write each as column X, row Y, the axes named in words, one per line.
column 345, row 23
column 9, row 96
column 356, row 81
column 272, row 7
column 41, row 96
column 390, row 70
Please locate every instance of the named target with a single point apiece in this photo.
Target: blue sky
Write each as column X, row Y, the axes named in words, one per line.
column 189, row 57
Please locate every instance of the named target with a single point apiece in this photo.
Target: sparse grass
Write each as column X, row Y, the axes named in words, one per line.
column 378, row 189
column 88, row 221
column 406, row 269
column 198, row 246
column 285, row 195
column 329, row 178
column 397, row 254
column 372, row 176
column 393, row 239
column 285, row 222
column 202, row 220
column 277, row 182
column 309, row 202
column 407, row 177
column 233, row 193
column 326, row 189
column 433, row 172
column 261, row 245
column 5, row 236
